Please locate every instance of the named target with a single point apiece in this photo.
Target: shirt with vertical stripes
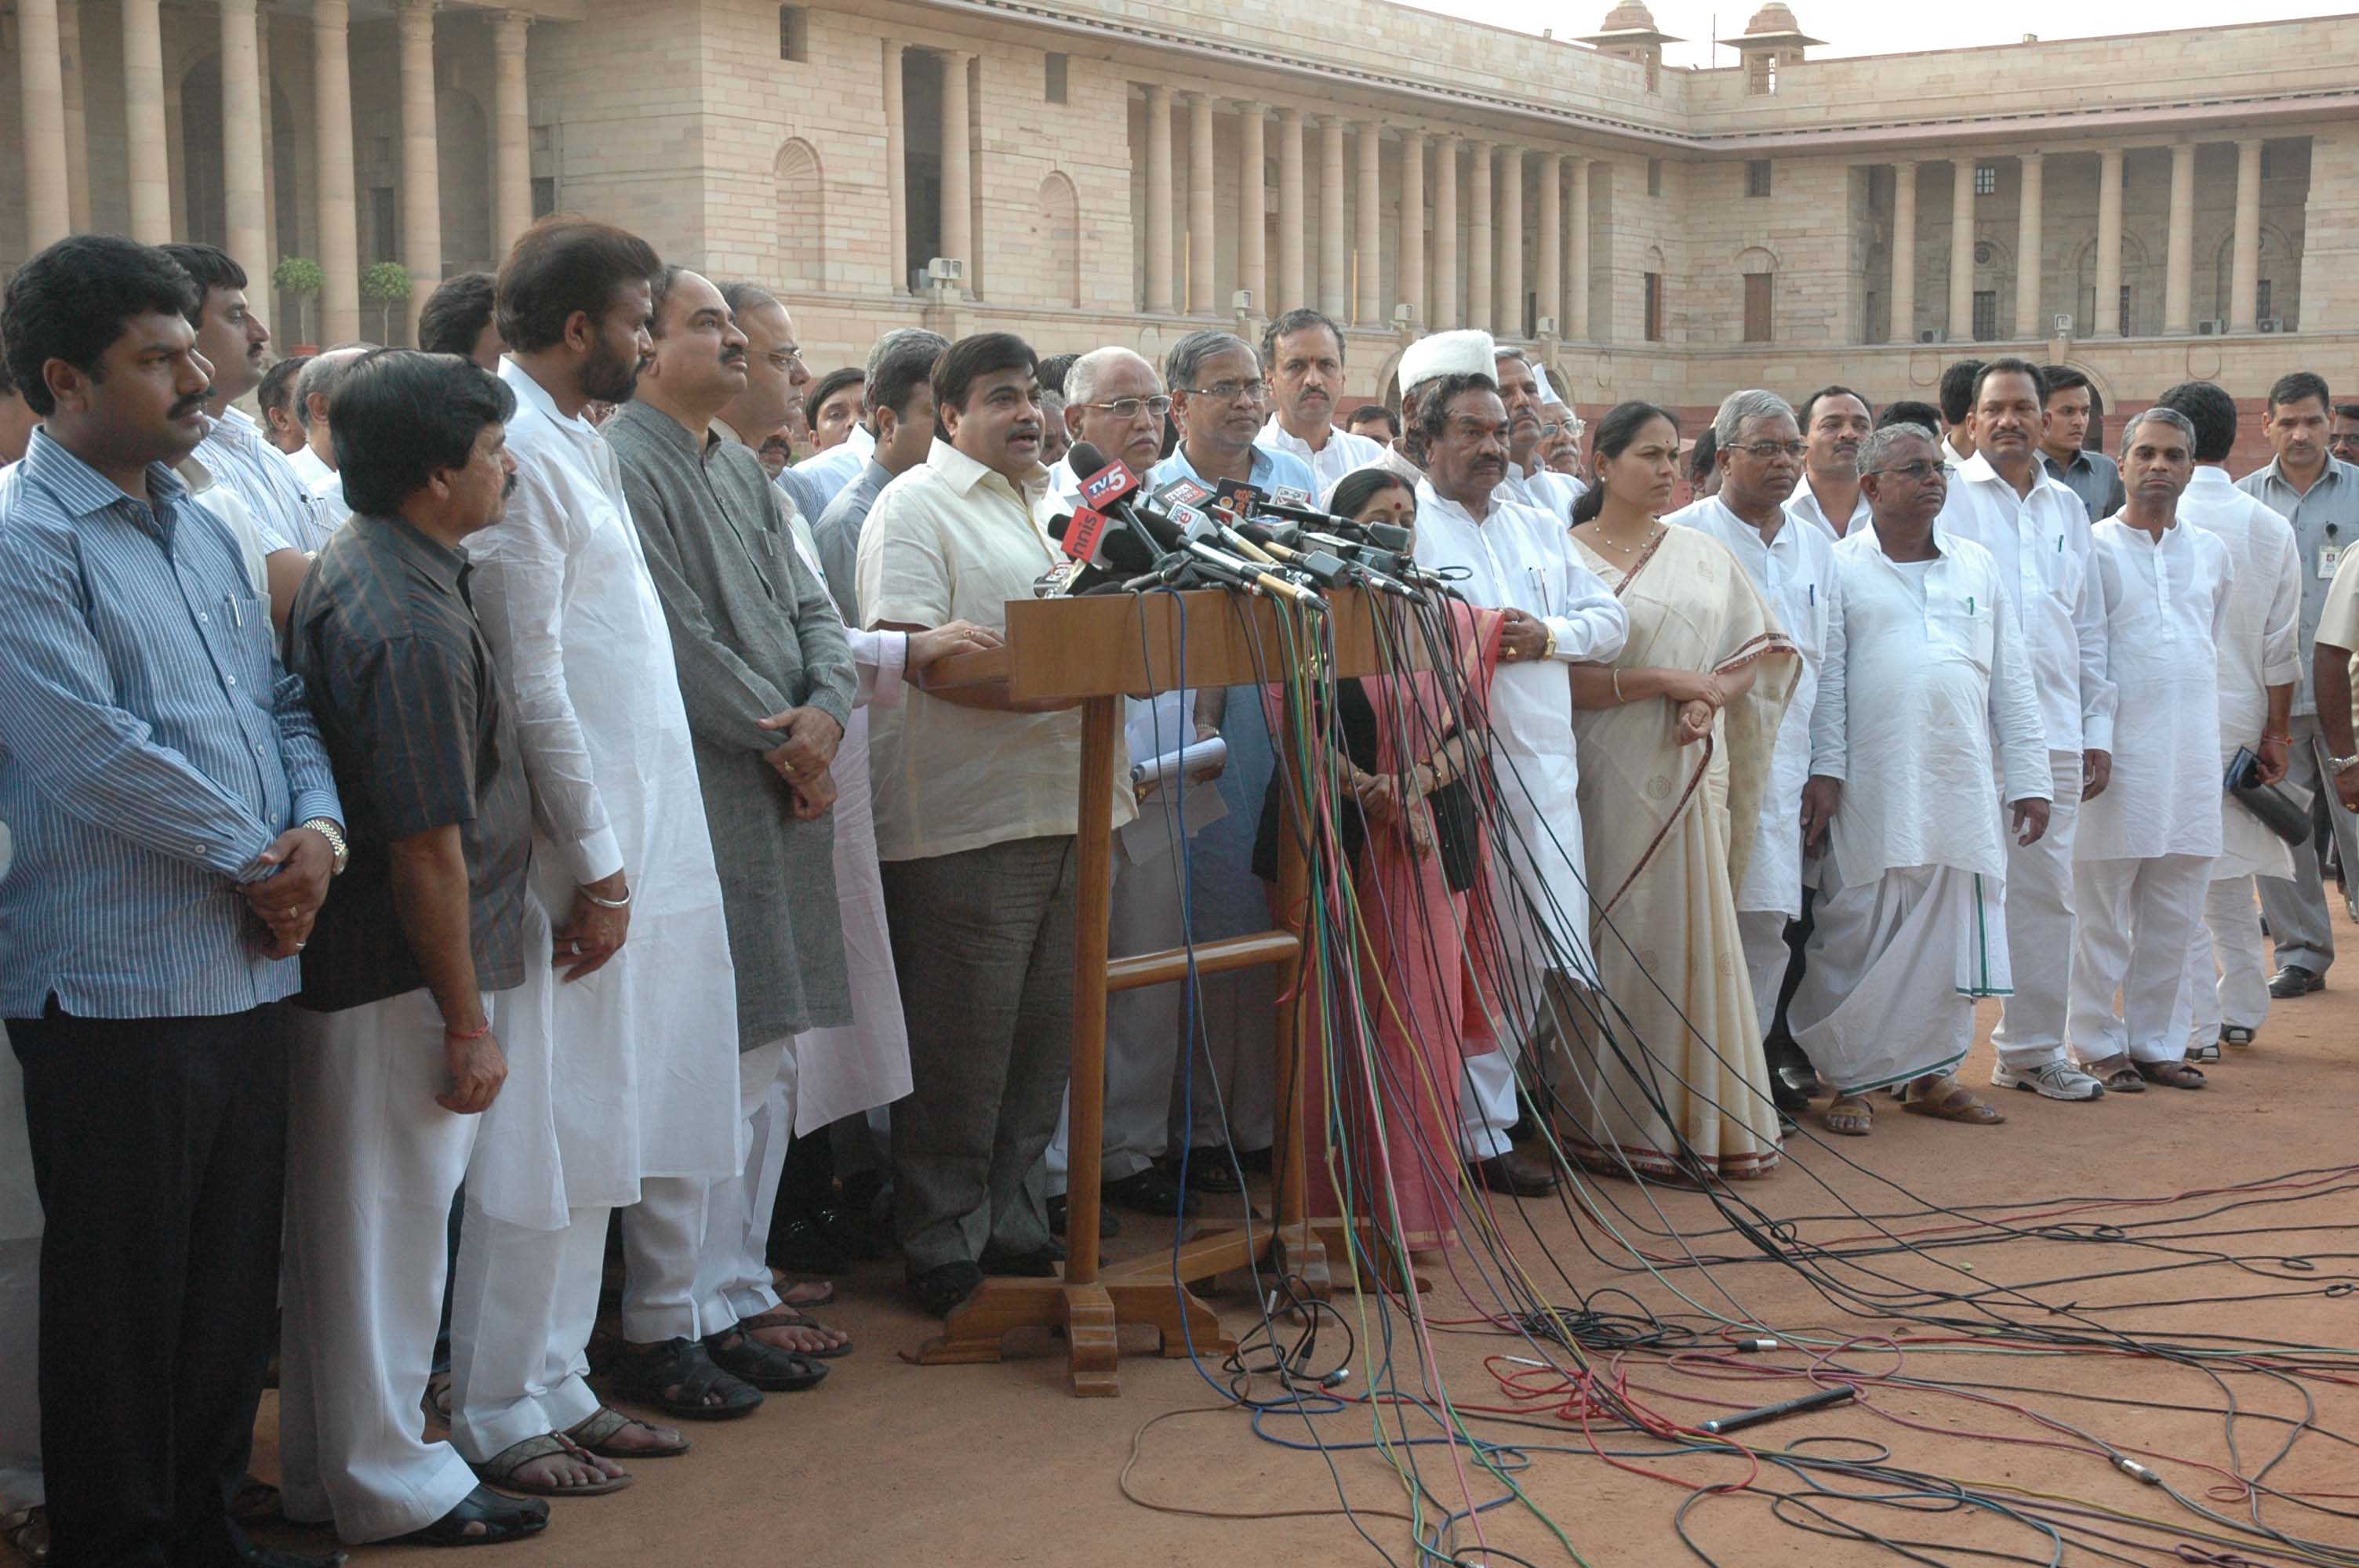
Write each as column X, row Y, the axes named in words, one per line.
column 240, row 455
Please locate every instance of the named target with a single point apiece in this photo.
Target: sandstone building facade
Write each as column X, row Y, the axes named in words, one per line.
column 2149, row 207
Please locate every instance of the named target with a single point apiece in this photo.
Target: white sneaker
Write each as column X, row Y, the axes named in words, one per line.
column 2056, row 1080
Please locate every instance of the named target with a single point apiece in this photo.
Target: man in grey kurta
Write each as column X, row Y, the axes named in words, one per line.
column 766, row 675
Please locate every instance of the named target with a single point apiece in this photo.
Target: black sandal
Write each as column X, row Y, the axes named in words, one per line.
column 764, row 1366
column 2171, row 1075
column 641, row 1374
column 495, row 1519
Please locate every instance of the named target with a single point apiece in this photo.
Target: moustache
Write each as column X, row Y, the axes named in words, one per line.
column 733, row 356
column 507, row 486
column 191, row 404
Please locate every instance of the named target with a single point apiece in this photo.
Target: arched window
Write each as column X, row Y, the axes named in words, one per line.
column 802, row 217
column 1057, row 241
column 1758, row 268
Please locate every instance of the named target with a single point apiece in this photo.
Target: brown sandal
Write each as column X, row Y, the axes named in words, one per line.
column 1956, row 1103
column 1849, row 1115
column 597, row 1431
column 500, row 1469
column 2118, row 1073
column 788, row 1317
column 2171, row 1075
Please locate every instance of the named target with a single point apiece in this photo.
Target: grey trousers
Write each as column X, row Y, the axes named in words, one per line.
column 2295, row 907
column 982, row 940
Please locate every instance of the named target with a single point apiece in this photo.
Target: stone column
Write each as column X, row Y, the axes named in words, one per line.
column 1253, row 206
column 1161, row 300
column 1201, row 193
column 1904, row 253
column 1370, row 305
column 176, row 125
column 1412, row 228
column 2178, row 276
column 1551, row 227
column 339, row 240
column 1292, row 220
column 48, row 211
column 1510, row 306
column 1446, row 314
column 958, row 176
column 1478, row 240
column 421, row 158
column 2109, row 322
column 1962, row 250
column 896, row 174
column 77, row 123
column 512, row 131
column 1577, row 284
column 1332, row 265
column 150, row 184
column 267, row 110
column 2030, row 247
column 242, row 148
column 2244, row 256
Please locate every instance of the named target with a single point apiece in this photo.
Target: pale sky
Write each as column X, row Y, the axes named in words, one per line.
column 1882, row 26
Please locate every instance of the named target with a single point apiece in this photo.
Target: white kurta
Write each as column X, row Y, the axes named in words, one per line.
column 2259, row 647
column 1795, row 572
column 865, row 1064
column 2040, row 544
column 1803, row 505
column 2164, row 604
column 1916, row 695
column 327, row 488
column 1519, row 558
column 649, row 1044
column 1342, row 454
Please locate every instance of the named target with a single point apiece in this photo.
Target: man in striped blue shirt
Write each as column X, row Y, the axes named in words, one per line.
column 176, row 825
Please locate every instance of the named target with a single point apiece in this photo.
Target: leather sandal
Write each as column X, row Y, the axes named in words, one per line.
column 1950, row 1100
column 766, row 1367
column 1849, row 1115
column 2171, row 1075
column 784, row 1317
column 483, row 1517
column 501, row 1469
column 2118, row 1073
column 646, row 1375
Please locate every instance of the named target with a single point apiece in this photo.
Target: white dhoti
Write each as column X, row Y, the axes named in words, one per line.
column 1893, row 968
column 372, row 1164
column 733, row 1276
column 2136, row 919
column 522, row 1305
column 1142, row 1025
column 1766, row 958
column 20, row 1296
column 2227, row 974
column 2039, row 916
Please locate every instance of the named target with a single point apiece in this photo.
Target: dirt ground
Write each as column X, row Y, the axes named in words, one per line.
column 893, row 1463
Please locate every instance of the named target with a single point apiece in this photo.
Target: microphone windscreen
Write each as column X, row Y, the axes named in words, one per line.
column 1084, row 459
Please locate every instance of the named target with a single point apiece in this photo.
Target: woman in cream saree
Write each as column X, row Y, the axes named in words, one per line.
column 1665, row 1075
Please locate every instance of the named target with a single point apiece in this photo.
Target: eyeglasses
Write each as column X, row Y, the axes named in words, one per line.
column 1128, row 408
column 786, row 359
column 1768, row 449
column 1232, row 391
column 1918, row 471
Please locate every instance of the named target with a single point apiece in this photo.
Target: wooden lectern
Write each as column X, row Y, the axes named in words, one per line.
column 1101, row 651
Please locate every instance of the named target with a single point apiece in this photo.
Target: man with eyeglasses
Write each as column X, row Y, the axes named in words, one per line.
column 2343, row 435
column 1116, row 402
column 1219, row 399
column 1759, row 454
column 2038, row 531
column 1523, row 389
column 1304, row 352
column 1923, row 680
column 777, row 384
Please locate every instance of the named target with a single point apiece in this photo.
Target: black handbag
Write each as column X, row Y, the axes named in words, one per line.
column 2279, row 812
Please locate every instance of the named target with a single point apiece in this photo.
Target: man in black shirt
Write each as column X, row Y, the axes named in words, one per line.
column 396, row 1060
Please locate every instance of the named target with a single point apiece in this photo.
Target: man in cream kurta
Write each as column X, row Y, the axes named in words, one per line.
column 1521, row 560
column 1924, row 678
column 2144, row 859
column 2038, row 532
column 2228, row 991
column 645, row 1105
column 1793, row 565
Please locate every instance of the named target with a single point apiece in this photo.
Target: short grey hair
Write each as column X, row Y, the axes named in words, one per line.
column 1510, row 351
column 1082, row 379
column 322, row 375
column 1738, row 407
column 1881, row 443
column 2159, row 415
column 913, row 338
column 1189, row 354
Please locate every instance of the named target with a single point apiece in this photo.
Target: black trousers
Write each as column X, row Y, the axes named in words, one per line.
column 159, row 1149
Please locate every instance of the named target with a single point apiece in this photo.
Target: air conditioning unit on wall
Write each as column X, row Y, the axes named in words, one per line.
column 1933, row 335
column 2273, row 324
column 2211, row 329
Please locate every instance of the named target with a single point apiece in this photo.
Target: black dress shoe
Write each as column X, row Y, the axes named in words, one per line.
column 2294, row 980
column 1038, row 1265
column 850, row 1235
column 1515, row 1174
column 1212, row 1168
column 272, row 1557
column 1153, row 1191
column 800, row 1247
column 1254, row 1162
column 1109, row 1223
column 941, row 1288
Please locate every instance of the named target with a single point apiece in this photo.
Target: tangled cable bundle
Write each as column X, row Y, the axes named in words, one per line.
column 1583, row 1367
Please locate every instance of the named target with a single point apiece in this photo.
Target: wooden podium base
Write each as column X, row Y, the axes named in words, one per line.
column 1088, row 1315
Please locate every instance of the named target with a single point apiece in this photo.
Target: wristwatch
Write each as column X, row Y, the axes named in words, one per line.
column 328, row 828
column 2339, row 766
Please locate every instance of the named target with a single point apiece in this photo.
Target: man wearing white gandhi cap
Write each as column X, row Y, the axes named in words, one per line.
column 1423, row 362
